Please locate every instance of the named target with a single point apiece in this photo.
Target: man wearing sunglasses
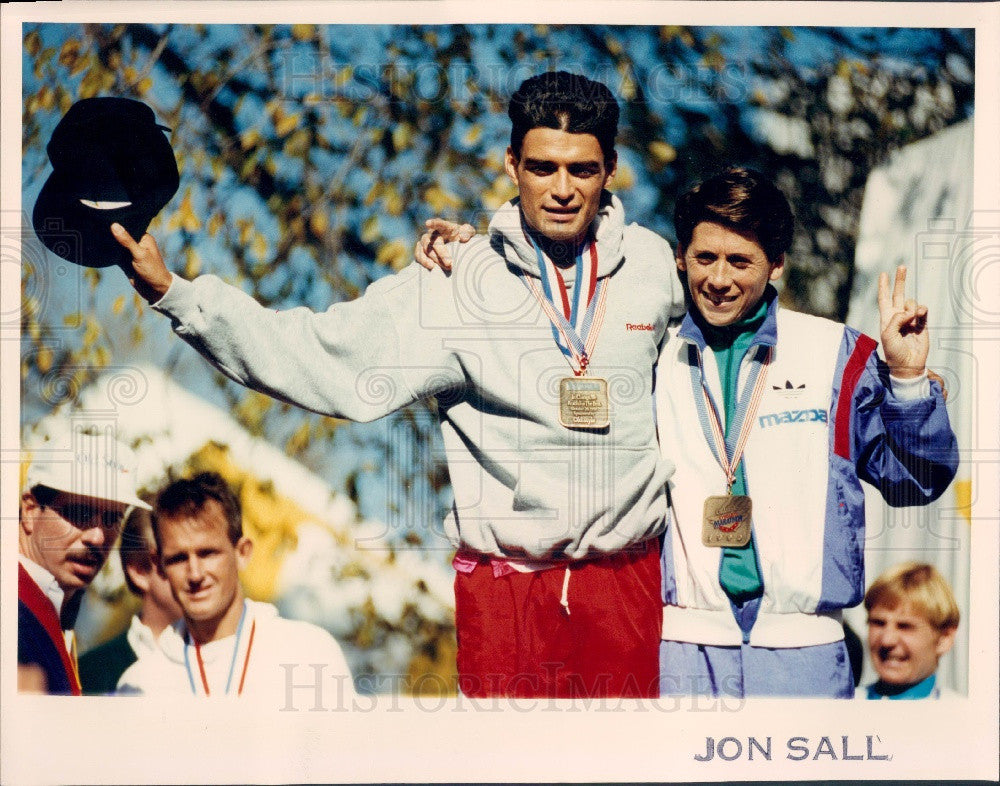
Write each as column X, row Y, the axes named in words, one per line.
column 70, row 515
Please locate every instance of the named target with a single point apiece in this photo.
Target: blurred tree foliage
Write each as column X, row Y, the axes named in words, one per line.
column 310, row 156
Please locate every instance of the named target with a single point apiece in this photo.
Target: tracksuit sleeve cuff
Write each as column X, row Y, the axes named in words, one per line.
column 910, row 389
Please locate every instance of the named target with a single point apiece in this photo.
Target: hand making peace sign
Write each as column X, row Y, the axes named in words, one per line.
column 903, row 322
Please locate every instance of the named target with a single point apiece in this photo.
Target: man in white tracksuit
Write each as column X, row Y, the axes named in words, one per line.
column 773, row 419
column 539, row 347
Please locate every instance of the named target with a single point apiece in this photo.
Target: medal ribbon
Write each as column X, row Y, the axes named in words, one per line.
column 729, row 452
column 232, row 663
column 576, row 329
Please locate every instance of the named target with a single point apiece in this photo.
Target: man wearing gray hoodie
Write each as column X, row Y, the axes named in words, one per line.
column 539, row 346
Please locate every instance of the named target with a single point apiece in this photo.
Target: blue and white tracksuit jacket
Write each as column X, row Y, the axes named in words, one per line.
column 827, row 420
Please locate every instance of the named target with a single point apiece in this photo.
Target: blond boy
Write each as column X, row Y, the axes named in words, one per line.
column 912, row 619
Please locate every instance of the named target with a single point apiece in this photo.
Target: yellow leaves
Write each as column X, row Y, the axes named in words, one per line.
column 259, row 246
column 250, row 138
column 300, row 439
column 440, row 200
column 628, row 89
column 93, row 277
column 185, row 216
column 245, row 228
column 248, row 167
column 319, row 222
column 251, row 411
column 370, row 229
column 390, row 196
column 713, row 59
column 45, row 99
column 395, row 254
column 662, row 153
column 668, row 32
column 97, row 79
column 101, row 356
column 302, row 32
column 393, row 200
column 431, row 670
column 192, row 263
column 298, row 144
column 43, row 359
column 296, row 228
column 91, row 331
column 215, row 223
column 501, row 190
column 205, row 82
column 69, row 53
column 402, row 136
column 33, row 43
column 473, row 135
column 624, row 178
column 285, row 124
column 118, row 305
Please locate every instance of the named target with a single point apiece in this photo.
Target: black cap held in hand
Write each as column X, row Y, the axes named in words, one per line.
column 111, row 163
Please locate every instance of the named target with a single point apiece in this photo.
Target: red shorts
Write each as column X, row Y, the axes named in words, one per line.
column 515, row 637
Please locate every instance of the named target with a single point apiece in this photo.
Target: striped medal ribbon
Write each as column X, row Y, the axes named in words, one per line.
column 727, row 518
column 200, row 687
column 576, row 323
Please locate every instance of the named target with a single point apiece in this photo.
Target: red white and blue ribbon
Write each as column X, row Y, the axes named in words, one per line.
column 576, row 322
column 200, row 687
column 728, row 452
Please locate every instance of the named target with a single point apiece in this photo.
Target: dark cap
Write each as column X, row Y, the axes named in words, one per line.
column 111, row 162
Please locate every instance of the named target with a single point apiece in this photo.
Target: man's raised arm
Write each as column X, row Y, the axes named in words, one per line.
column 146, row 272
column 326, row 362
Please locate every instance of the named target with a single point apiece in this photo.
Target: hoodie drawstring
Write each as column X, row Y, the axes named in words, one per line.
column 564, row 600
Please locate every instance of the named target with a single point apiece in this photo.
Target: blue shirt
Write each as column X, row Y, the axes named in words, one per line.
column 925, row 689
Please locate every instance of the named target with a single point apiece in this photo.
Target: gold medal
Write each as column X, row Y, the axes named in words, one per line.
column 583, row 402
column 727, row 521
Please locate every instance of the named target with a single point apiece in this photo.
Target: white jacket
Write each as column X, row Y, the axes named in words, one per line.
column 826, row 421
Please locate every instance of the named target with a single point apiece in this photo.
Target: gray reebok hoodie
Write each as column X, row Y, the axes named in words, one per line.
column 525, row 486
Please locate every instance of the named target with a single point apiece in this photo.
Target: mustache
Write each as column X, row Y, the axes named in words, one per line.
column 88, row 555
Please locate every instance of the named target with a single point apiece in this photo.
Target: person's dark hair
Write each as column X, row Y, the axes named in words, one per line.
column 187, row 497
column 742, row 200
column 566, row 102
column 138, row 545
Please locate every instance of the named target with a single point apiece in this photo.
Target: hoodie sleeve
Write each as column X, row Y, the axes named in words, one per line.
column 357, row 360
column 905, row 448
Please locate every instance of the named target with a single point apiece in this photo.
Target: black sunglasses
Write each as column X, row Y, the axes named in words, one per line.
column 86, row 516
